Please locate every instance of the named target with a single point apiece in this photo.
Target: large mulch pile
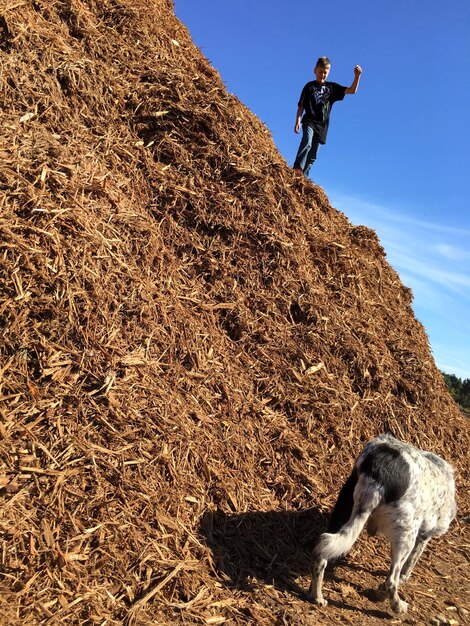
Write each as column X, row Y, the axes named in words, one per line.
column 194, row 346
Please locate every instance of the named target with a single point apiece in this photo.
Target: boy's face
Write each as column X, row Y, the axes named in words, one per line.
column 321, row 73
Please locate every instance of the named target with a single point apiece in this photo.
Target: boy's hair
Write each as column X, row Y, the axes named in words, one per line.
column 323, row 62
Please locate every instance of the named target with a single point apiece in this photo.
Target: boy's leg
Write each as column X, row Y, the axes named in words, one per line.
column 312, row 155
column 304, row 148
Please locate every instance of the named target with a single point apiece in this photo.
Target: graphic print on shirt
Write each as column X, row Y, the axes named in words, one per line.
column 322, row 104
column 322, row 95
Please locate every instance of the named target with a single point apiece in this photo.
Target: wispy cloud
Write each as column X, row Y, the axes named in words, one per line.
column 453, row 253
column 434, row 260
column 394, row 216
column 420, row 262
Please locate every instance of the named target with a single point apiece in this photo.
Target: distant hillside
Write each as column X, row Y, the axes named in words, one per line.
column 459, row 389
column 195, row 344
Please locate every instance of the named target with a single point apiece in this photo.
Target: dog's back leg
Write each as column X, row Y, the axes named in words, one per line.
column 318, row 570
column 340, row 515
column 403, row 544
column 365, row 497
column 411, row 561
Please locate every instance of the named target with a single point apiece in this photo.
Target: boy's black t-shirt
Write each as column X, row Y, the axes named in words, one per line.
column 317, row 100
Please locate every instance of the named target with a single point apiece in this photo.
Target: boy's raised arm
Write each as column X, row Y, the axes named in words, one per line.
column 355, row 83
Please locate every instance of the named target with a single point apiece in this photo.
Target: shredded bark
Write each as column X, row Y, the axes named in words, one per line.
column 194, row 345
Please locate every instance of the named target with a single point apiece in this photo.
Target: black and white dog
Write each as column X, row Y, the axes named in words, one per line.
column 404, row 493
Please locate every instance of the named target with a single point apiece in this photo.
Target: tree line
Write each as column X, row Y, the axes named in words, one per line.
column 459, row 389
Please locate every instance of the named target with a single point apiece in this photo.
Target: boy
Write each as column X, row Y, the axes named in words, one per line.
column 316, row 100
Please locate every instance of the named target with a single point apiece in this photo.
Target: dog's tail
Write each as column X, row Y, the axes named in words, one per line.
column 344, row 504
column 361, row 502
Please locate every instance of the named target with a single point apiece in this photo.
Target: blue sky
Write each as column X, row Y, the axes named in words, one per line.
column 397, row 155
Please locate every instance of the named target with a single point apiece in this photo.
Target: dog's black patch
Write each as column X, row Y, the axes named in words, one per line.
column 344, row 504
column 388, row 468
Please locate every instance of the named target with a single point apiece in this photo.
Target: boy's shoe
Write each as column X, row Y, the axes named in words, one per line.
column 297, row 170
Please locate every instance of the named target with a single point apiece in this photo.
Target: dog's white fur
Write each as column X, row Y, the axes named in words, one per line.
column 404, row 493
